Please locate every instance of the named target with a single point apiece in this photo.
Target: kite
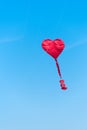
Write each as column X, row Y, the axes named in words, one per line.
column 54, row 48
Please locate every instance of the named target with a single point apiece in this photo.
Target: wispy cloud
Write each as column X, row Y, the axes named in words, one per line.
column 10, row 39
column 76, row 44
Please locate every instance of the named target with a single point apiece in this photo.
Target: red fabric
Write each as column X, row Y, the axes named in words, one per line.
column 53, row 47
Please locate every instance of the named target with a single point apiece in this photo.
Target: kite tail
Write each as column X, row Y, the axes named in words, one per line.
column 62, row 84
column 58, row 68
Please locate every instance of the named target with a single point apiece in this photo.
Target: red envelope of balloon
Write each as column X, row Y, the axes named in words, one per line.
column 54, row 48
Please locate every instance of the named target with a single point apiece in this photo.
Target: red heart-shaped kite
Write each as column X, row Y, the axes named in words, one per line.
column 53, row 47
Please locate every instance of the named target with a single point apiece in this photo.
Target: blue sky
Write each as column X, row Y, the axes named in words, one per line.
column 30, row 95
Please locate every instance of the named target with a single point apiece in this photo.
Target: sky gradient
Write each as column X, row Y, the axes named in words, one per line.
column 30, row 95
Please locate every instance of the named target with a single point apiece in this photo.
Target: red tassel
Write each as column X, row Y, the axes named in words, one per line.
column 62, row 84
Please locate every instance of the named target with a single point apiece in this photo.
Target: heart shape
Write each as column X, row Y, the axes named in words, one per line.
column 53, row 47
